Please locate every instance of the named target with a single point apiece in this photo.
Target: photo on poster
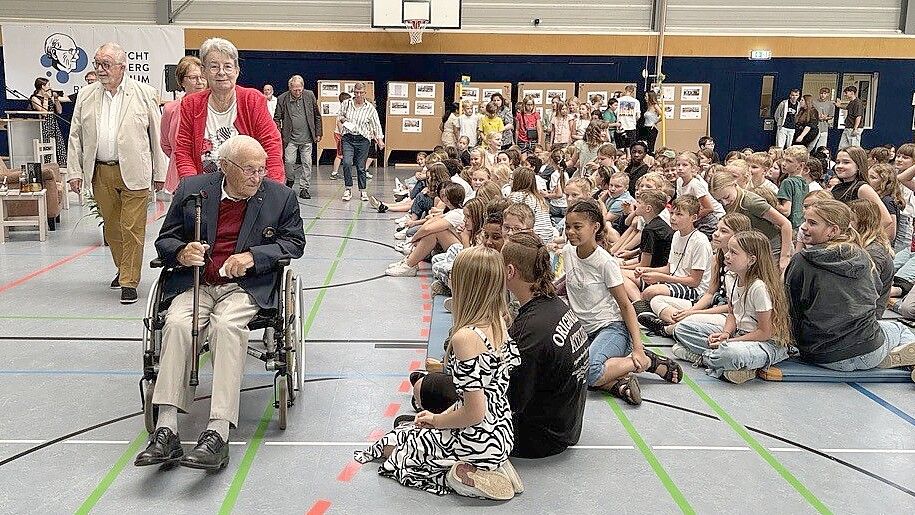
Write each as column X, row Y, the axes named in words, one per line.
column 398, row 90
column 330, row 108
column 535, row 94
column 553, row 93
column 424, row 108
column 691, row 93
column 489, row 92
column 669, row 111
column 412, row 125
column 399, row 107
column 690, row 112
column 349, row 87
column 667, row 93
column 592, row 98
column 425, row 90
column 330, row 89
column 472, row 94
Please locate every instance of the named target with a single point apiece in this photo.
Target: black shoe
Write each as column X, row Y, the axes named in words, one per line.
column 641, row 306
column 290, row 184
column 164, row 447
column 403, row 419
column 128, row 295
column 210, row 453
column 304, row 194
column 653, row 323
column 116, row 282
column 382, row 208
column 400, row 198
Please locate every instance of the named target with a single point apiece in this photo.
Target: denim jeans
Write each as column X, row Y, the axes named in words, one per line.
column 611, row 341
column 355, row 153
column 730, row 355
column 300, row 173
column 904, row 263
column 894, row 335
column 903, row 239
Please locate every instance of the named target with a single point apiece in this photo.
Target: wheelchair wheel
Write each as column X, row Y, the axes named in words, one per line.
column 293, row 338
column 150, row 411
column 282, row 400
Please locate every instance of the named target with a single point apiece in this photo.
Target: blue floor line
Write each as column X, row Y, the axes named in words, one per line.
column 886, row 404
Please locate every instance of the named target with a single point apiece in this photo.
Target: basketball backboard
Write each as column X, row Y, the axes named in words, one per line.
column 392, row 14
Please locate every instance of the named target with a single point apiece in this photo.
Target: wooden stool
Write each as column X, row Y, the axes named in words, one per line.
column 41, row 221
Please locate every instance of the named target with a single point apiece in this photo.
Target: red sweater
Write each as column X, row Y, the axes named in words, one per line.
column 231, row 216
column 253, row 119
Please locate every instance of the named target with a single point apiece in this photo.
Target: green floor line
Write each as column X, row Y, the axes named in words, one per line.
column 112, row 474
column 652, row 459
column 241, row 474
column 754, row 444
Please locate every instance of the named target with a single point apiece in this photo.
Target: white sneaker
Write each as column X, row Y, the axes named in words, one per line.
column 401, row 270
column 447, row 304
column 398, row 186
column 369, row 176
column 684, row 354
column 509, row 470
column 347, row 195
column 402, row 220
column 374, row 202
column 364, row 197
column 334, row 175
column 400, row 235
column 392, row 265
column 485, row 484
column 407, row 249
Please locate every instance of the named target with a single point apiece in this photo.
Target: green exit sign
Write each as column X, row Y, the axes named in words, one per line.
column 760, row 55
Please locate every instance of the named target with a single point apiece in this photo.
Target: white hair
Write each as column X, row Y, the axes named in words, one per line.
column 239, row 144
column 120, row 56
column 223, row 46
column 296, row 79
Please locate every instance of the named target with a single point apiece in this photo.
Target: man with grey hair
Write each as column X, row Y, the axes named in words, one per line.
column 249, row 224
column 299, row 120
column 114, row 151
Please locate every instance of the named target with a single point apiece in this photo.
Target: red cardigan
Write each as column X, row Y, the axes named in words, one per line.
column 252, row 119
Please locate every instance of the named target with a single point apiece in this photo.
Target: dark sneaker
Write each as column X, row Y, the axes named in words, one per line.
column 304, row 194
column 653, row 323
column 116, row 282
column 164, row 447
column 210, row 453
column 641, row 306
column 128, row 295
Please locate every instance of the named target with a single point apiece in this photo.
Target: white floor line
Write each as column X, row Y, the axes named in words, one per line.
column 282, row 443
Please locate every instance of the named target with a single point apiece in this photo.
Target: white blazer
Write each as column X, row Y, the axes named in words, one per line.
column 139, row 152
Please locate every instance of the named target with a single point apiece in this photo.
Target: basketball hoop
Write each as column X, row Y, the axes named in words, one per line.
column 416, row 28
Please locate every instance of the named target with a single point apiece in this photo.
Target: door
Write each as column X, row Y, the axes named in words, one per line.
column 752, row 108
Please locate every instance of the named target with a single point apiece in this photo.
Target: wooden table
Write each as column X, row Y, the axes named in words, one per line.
column 41, row 221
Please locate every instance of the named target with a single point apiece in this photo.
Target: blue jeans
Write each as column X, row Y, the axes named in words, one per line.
column 612, row 341
column 355, row 152
column 894, row 335
column 729, row 355
column 904, row 263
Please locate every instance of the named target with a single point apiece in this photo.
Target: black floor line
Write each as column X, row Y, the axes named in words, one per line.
column 793, row 444
column 349, row 219
column 418, row 345
column 376, row 242
column 349, row 283
column 115, row 420
column 137, row 339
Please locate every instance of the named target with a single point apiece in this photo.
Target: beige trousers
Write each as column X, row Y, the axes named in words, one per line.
column 225, row 312
column 124, row 214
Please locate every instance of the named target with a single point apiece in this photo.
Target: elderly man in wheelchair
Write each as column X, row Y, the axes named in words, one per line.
column 250, row 228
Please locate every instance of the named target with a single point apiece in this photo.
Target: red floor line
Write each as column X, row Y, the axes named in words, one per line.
column 375, row 435
column 346, row 475
column 319, row 507
column 392, row 409
column 414, row 365
column 405, row 386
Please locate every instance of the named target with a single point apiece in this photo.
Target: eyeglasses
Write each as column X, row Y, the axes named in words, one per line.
column 103, row 65
column 249, row 171
column 195, row 78
column 216, row 68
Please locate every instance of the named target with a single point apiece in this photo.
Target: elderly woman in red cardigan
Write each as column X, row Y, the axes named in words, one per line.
column 211, row 116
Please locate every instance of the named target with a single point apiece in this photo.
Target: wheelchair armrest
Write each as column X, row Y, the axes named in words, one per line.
column 157, row 263
column 282, row 263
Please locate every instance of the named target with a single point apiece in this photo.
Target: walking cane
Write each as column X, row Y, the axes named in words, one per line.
column 195, row 314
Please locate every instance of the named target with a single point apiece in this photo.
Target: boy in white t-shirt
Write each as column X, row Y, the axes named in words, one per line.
column 628, row 115
column 687, row 273
column 469, row 124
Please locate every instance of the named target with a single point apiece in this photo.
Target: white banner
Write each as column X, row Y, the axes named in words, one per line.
column 63, row 54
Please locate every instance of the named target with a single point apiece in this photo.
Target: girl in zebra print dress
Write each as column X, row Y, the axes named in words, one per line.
column 477, row 430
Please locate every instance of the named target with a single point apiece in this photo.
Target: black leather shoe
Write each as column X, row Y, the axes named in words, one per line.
column 164, row 447
column 211, row 452
column 116, row 283
column 304, row 194
column 128, row 295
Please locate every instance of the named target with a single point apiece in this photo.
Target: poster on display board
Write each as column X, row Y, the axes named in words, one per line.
column 669, row 111
column 349, row 87
column 489, row 92
column 398, row 90
column 690, row 112
column 412, row 125
column 691, row 93
column 63, row 54
column 592, row 98
column 555, row 93
column 667, row 93
column 425, row 90
column 424, row 108
column 399, row 107
column 471, row 94
column 535, row 94
column 330, row 108
column 330, row 89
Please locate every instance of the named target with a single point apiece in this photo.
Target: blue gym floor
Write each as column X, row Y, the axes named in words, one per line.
column 70, row 359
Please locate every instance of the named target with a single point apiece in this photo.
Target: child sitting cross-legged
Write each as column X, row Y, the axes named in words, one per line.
column 474, row 210
column 443, row 231
column 656, row 235
column 688, row 270
column 756, row 333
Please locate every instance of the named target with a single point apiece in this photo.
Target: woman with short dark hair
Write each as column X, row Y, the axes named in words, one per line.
column 45, row 100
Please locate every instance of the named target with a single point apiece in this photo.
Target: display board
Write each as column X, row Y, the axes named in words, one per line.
column 543, row 92
column 329, row 105
column 413, row 116
column 686, row 115
column 479, row 92
column 606, row 89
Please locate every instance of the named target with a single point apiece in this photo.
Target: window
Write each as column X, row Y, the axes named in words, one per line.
column 814, row 81
column 765, row 97
column 867, row 92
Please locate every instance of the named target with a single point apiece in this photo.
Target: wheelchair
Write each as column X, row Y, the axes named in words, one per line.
column 283, row 343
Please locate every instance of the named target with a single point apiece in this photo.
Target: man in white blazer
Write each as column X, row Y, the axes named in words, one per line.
column 114, row 144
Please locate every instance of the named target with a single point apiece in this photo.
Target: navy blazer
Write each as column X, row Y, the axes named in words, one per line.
column 271, row 230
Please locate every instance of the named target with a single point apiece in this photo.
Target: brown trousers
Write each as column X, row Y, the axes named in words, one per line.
column 124, row 214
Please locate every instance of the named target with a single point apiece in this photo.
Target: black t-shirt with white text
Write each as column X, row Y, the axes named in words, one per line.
column 547, row 391
column 790, row 114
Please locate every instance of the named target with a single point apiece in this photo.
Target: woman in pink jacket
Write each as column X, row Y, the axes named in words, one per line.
column 191, row 79
column 211, row 116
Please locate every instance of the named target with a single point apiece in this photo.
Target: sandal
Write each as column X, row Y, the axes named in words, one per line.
column 672, row 367
column 628, row 389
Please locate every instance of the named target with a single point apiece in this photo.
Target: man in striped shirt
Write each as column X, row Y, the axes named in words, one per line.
column 360, row 125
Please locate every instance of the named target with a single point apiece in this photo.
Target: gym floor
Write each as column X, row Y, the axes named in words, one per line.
column 71, row 361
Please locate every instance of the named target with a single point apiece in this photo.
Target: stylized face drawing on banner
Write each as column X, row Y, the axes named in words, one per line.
column 62, row 54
